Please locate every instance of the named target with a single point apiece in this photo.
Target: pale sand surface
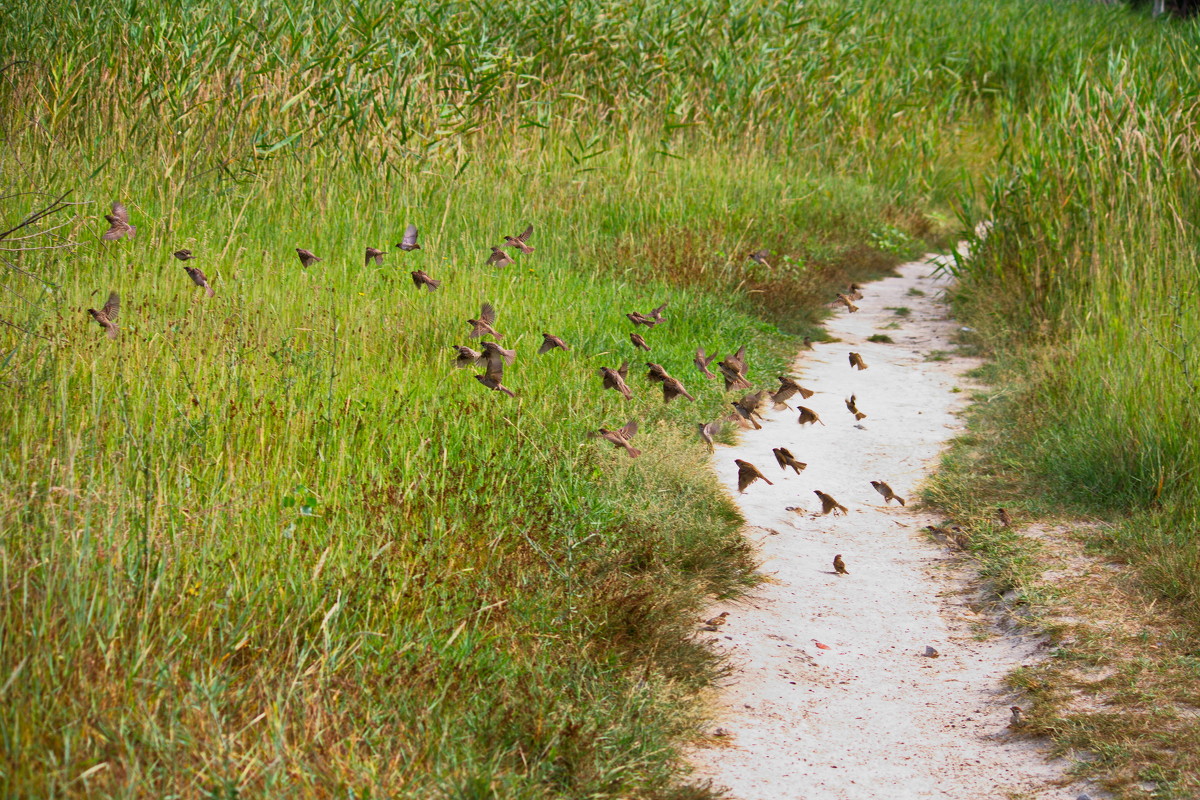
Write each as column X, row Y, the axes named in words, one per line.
column 870, row 717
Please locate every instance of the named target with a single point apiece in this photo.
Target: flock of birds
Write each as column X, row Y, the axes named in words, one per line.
column 493, row 358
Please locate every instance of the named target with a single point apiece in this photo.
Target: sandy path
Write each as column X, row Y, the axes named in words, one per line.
column 870, row 717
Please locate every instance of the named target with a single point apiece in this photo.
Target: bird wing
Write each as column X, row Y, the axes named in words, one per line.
column 630, row 429
column 525, row 234
column 410, row 235
column 120, row 212
column 494, row 368
column 623, row 370
column 658, row 311
column 547, row 345
column 112, row 306
column 779, row 457
column 417, row 278
column 487, row 313
column 497, row 256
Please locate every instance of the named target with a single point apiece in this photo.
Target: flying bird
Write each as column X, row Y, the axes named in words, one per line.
column 519, row 242
column 118, row 224
column 620, row 438
column 483, row 325
column 639, row 342
column 702, row 361
column 641, row 319
column 788, row 388
column 307, row 259
column 748, row 474
column 550, row 342
column 785, row 459
column 466, row 357
column 760, row 257
column 656, row 314
column 409, row 242
column 420, row 278
column 857, row 361
column 708, row 430
column 807, row 416
column 200, row 279
column 373, row 253
column 839, row 566
column 495, row 354
column 888, row 494
column 828, row 504
column 183, row 254
column 852, row 405
column 106, row 317
column 615, row 379
column 854, row 292
column 847, row 302
column 746, row 414
column 499, row 258
column 733, row 368
column 492, row 382
column 672, row 388
column 656, row 372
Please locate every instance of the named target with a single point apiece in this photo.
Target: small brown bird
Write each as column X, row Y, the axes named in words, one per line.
column 1015, row 720
column 656, row 372
column 466, row 357
column 1004, row 517
column 421, row 278
column 615, row 379
column 839, row 566
column 307, row 259
column 788, row 388
column 373, row 253
column 620, row 438
column 737, row 361
column 198, row 277
column 672, row 388
column 497, row 356
column 483, row 325
column 746, row 414
column 931, row 652
column 748, row 474
column 807, row 416
column 492, row 382
column 715, row 622
column 710, row 429
column 808, row 343
column 733, row 378
column 118, row 224
column 702, row 361
column 852, row 406
column 857, row 361
column 847, row 302
column 550, row 342
column 888, row 494
column 183, row 254
column 641, row 319
column 785, row 459
column 106, row 317
column 519, row 242
column 500, row 258
column 409, row 242
column 657, row 314
column 760, row 257
column 639, row 342
column 854, row 291
column 828, row 504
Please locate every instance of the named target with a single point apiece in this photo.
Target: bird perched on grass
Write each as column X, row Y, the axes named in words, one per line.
column 376, row 254
column 408, row 242
column 715, row 622
column 852, row 406
column 748, row 474
column 200, row 279
column 857, row 361
column 807, row 416
column 106, row 317
column 672, row 387
column 499, row 258
column 785, row 459
column 708, row 430
column 621, row 437
column 551, row 342
column 519, row 242
column 639, row 342
column 615, row 379
column 421, row 278
column 307, row 259
column 118, row 224
column 828, row 504
column 788, row 388
column 888, row 494
column 839, row 566
column 466, row 357
column 847, row 302
column 183, row 254
column 483, row 326
column 1004, row 517
column 702, row 361
column 760, row 257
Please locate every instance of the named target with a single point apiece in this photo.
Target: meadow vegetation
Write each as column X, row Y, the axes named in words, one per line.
column 273, row 544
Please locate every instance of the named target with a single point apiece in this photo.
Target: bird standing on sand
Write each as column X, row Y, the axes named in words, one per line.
column 519, row 241
column 409, row 242
column 615, row 379
column 106, row 317
column 828, row 504
column 307, row 259
column 839, row 566
column 483, row 326
column 888, row 494
column 118, row 224
column 200, row 279
column 785, row 459
column 421, row 278
column 551, row 342
column 1015, row 720
column 620, row 438
column 715, row 622
column 857, row 361
column 748, row 474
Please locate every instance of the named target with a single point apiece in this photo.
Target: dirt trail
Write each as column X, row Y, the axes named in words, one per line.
column 869, row 717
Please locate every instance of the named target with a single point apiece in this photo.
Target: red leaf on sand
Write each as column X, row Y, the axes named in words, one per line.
column 822, row 646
